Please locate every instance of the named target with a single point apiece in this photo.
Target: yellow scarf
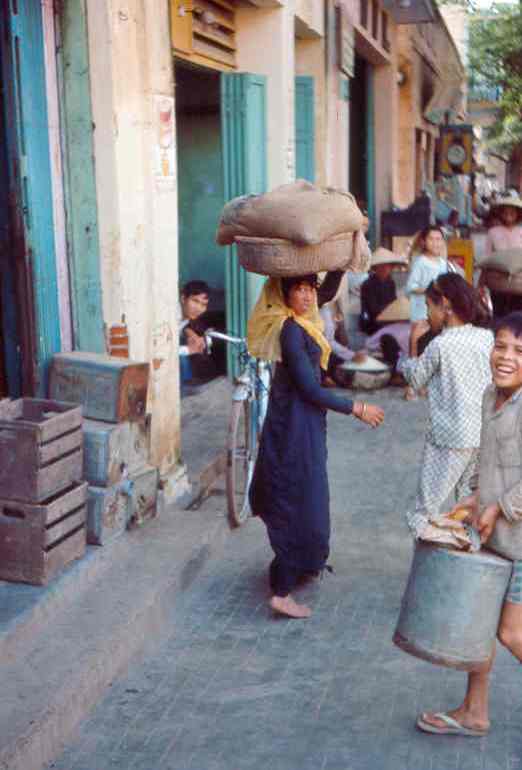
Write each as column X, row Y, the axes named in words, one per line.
column 268, row 317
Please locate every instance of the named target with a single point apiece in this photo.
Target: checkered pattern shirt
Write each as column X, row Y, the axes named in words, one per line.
column 455, row 369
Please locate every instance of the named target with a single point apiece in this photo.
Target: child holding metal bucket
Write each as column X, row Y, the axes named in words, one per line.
column 455, row 370
column 495, row 509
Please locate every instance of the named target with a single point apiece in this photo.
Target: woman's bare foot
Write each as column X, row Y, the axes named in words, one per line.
column 409, row 394
column 461, row 716
column 286, row 605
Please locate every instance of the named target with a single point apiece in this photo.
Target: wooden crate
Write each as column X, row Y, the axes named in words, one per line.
column 144, row 496
column 40, row 448
column 112, row 451
column 37, row 541
column 109, row 389
column 108, row 512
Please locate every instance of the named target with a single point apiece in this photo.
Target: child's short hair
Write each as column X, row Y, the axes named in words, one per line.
column 195, row 287
column 512, row 322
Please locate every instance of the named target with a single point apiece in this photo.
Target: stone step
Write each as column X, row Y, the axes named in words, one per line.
column 56, row 663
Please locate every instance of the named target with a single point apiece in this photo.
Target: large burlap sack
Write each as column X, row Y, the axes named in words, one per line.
column 506, row 261
column 502, row 282
column 299, row 212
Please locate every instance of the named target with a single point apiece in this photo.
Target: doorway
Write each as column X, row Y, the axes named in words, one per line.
column 361, row 142
column 12, row 301
column 29, row 308
column 200, row 198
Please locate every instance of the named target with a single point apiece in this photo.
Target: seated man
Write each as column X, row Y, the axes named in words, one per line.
column 378, row 291
column 196, row 363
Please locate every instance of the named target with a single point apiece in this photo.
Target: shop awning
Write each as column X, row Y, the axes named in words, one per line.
column 447, row 97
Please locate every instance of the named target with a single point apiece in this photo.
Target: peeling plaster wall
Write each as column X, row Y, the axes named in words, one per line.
column 337, row 129
column 265, row 46
column 310, row 60
column 131, row 63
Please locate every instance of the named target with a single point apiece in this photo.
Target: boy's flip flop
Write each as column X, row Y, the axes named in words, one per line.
column 451, row 727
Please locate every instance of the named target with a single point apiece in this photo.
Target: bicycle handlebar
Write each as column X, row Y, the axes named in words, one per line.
column 225, row 337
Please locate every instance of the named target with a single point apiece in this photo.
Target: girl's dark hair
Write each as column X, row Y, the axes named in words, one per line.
column 295, row 280
column 511, row 322
column 427, row 230
column 464, row 299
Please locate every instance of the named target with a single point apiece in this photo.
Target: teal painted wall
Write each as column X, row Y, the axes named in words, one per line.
column 201, row 198
column 200, row 176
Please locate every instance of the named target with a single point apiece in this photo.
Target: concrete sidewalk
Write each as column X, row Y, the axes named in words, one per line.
column 234, row 688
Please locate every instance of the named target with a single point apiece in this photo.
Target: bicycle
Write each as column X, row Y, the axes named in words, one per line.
column 249, row 405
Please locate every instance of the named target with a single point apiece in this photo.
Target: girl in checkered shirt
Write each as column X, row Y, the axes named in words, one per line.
column 455, row 370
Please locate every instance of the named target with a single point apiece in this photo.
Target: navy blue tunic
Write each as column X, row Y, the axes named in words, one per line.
column 290, row 485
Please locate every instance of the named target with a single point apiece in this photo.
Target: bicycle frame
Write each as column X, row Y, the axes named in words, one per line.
column 253, row 382
column 252, row 387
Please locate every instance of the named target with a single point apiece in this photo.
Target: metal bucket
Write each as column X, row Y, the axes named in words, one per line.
column 451, row 606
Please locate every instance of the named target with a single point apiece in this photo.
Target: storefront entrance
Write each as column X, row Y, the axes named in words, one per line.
column 361, row 167
column 220, row 121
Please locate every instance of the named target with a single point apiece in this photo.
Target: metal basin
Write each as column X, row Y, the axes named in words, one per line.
column 451, row 606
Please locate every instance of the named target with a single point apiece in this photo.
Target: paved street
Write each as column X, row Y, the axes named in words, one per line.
column 234, row 688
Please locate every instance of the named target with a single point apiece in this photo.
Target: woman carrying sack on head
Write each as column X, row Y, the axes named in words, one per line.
column 289, row 489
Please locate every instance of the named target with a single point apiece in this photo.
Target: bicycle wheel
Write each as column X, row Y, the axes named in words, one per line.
column 241, row 452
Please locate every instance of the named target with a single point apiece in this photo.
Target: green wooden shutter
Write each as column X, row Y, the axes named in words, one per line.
column 304, row 128
column 79, row 182
column 243, row 118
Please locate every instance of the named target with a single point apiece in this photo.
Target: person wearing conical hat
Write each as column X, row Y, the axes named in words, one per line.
column 379, row 290
column 505, row 234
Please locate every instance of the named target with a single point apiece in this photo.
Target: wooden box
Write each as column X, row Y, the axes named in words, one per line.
column 40, row 448
column 144, row 496
column 108, row 512
column 37, row 541
column 109, row 389
column 111, row 451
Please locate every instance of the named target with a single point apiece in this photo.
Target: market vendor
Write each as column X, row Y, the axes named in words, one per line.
column 505, row 234
column 384, row 316
column 379, row 290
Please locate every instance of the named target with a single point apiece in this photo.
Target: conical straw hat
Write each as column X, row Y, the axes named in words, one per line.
column 398, row 310
column 382, row 256
column 515, row 203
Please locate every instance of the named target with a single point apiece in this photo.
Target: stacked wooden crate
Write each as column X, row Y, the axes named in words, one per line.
column 42, row 497
column 113, row 393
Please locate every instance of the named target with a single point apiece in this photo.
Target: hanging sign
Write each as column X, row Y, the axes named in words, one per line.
column 456, row 149
column 345, row 42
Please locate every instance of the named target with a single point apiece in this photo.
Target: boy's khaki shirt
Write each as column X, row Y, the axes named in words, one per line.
column 500, row 471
